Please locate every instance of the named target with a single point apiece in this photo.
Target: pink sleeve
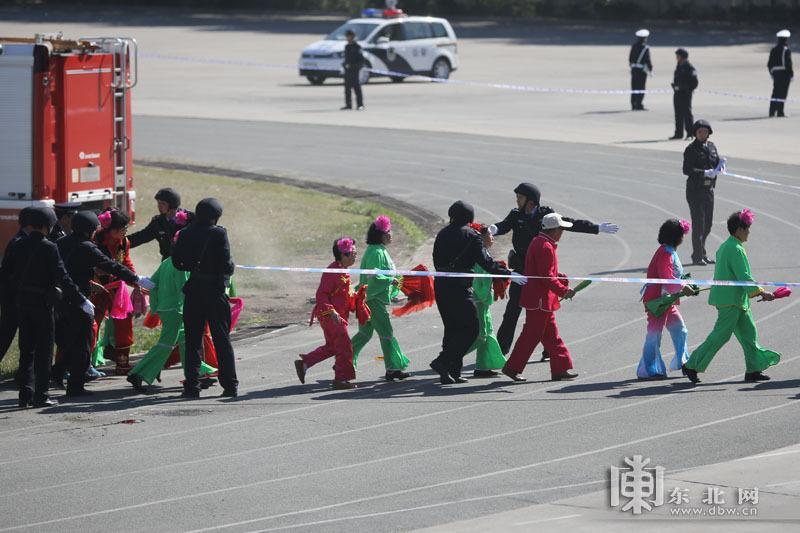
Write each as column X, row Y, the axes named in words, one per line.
column 665, row 270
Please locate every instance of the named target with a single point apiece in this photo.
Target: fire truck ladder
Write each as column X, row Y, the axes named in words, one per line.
column 125, row 51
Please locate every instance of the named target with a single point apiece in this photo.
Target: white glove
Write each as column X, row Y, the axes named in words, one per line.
column 608, row 227
column 145, row 283
column 722, row 167
column 518, row 278
column 710, row 173
column 87, row 307
column 492, row 229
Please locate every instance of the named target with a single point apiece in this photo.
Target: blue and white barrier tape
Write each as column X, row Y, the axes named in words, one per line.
column 424, row 273
column 503, row 86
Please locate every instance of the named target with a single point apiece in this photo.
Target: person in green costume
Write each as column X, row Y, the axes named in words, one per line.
column 166, row 300
column 489, row 357
column 380, row 292
column 733, row 307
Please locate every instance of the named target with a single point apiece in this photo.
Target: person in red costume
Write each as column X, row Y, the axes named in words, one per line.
column 112, row 241
column 540, row 298
column 335, row 300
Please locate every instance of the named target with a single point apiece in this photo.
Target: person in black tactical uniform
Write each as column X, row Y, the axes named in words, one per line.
column 163, row 226
column 701, row 165
column 684, row 83
column 36, row 268
column 458, row 248
column 525, row 223
column 780, row 68
column 203, row 249
column 64, row 213
column 8, row 290
column 641, row 67
column 353, row 61
column 81, row 257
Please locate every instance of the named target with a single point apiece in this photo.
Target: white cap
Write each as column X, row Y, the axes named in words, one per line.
column 784, row 33
column 554, row 221
column 643, row 33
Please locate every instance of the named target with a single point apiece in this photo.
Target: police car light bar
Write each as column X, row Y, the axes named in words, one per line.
column 372, row 12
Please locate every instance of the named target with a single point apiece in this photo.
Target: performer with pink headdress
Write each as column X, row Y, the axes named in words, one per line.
column 733, row 307
column 335, row 300
column 665, row 264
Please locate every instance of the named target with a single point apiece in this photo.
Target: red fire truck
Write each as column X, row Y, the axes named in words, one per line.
column 65, row 124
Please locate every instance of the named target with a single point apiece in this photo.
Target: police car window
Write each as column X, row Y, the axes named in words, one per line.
column 439, row 30
column 418, row 30
column 394, row 32
column 361, row 29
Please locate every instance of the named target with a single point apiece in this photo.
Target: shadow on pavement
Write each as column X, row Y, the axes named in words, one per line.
column 775, row 385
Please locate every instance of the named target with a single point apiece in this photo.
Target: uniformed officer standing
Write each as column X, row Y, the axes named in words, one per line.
column 684, row 83
column 780, row 68
column 525, row 223
column 64, row 213
column 41, row 281
column 353, row 62
column 641, row 67
column 8, row 289
column 701, row 165
column 81, row 257
column 162, row 227
column 458, row 248
column 203, row 249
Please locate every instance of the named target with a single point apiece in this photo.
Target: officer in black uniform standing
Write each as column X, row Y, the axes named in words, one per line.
column 41, row 280
column 525, row 223
column 684, row 83
column 81, row 257
column 458, row 248
column 641, row 67
column 64, row 213
column 780, row 68
column 701, row 165
column 353, row 61
column 162, row 227
column 8, row 290
column 203, row 249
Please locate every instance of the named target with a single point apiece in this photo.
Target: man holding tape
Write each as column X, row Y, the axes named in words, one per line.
column 641, row 67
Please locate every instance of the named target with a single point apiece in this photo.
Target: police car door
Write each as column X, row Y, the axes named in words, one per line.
column 421, row 46
column 391, row 48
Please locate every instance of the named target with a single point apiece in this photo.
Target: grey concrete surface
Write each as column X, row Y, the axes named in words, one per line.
column 411, row 455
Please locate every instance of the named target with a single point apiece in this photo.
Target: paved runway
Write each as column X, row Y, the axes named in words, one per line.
column 407, row 455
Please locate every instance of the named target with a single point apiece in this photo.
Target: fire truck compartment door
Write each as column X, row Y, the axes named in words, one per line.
column 16, row 120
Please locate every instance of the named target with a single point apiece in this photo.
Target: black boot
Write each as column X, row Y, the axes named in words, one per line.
column 691, row 374
column 44, row 401
column 25, row 398
column 752, row 377
column 137, row 382
column 444, row 377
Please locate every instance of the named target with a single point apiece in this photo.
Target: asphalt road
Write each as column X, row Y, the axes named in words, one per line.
column 407, row 455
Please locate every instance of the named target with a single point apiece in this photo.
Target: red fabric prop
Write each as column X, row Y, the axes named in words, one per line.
column 782, row 292
column 363, row 313
column 140, row 302
column 151, row 320
column 420, row 293
column 237, row 304
column 500, row 285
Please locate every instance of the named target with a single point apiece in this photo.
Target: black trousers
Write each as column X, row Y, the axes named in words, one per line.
column 210, row 305
column 460, row 318
column 74, row 337
column 780, row 90
column 36, row 336
column 701, row 207
column 638, row 81
column 682, row 102
column 352, row 83
column 508, row 327
column 8, row 323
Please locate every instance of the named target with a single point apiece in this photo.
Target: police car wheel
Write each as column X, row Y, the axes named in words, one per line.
column 364, row 74
column 441, row 69
column 316, row 80
column 398, row 79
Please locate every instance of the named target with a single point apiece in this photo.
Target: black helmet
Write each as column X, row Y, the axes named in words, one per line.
column 23, row 218
column 208, row 210
column 170, row 196
column 40, row 217
column 85, row 223
column 461, row 213
column 701, row 124
column 529, row 191
column 682, row 52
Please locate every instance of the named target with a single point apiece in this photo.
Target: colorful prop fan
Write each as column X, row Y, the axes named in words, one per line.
column 237, row 304
column 363, row 313
column 151, row 320
column 500, row 285
column 419, row 290
column 782, row 292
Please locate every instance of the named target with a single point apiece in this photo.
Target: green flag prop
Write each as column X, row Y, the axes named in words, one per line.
column 580, row 286
column 660, row 305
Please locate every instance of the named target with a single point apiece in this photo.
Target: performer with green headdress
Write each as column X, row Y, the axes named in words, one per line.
column 733, row 307
column 381, row 289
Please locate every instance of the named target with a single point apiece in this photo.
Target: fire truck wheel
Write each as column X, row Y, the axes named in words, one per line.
column 441, row 69
column 316, row 80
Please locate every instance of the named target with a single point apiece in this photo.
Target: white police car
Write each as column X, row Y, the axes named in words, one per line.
column 391, row 43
